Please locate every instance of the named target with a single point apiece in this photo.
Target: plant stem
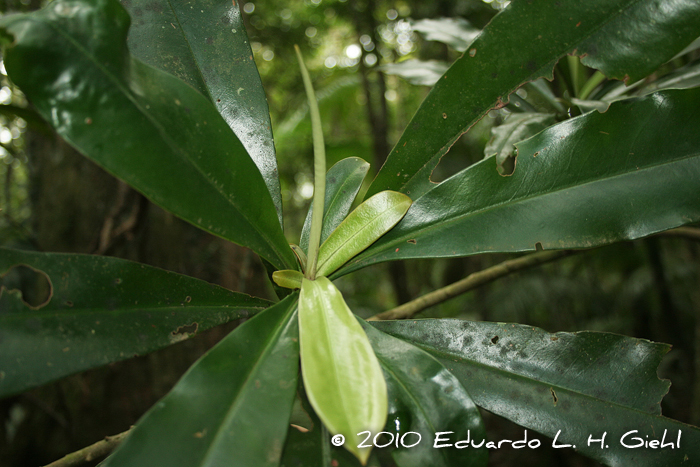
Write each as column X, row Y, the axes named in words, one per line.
column 472, row 281
column 576, row 71
column 92, row 452
column 591, row 84
column 319, row 172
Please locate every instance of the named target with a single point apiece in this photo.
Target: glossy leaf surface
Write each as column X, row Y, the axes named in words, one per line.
column 343, row 181
column 231, row 407
column 515, row 129
column 591, row 180
column 141, row 124
column 363, row 226
column 622, row 38
column 101, row 310
column 342, row 377
column 205, row 44
column 426, row 398
column 583, row 384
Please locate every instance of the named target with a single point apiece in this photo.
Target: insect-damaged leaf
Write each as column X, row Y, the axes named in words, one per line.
column 342, row 376
column 622, row 38
column 592, row 180
column 141, row 124
column 425, row 398
column 101, row 310
column 232, row 407
column 584, row 384
column 515, row 129
column 363, row 226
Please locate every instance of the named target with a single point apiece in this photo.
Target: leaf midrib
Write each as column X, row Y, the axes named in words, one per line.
column 534, row 76
column 192, row 54
column 512, row 201
column 450, row 357
column 357, row 232
column 76, row 312
column 230, row 412
column 161, row 131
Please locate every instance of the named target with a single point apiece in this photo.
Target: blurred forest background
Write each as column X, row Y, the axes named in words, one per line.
column 53, row 199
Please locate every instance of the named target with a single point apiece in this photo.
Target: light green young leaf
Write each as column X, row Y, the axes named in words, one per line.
column 369, row 221
column 288, row 278
column 342, row 376
column 343, row 181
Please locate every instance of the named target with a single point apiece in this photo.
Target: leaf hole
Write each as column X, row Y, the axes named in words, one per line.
column 554, row 395
column 494, row 340
column 412, row 241
column 538, row 247
column 507, row 166
column 34, row 286
column 184, row 332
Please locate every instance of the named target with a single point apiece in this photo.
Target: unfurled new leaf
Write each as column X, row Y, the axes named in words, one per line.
column 369, row 221
column 343, row 181
column 288, row 278
column 342, row 376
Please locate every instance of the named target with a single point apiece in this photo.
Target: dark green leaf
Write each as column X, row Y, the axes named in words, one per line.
column 425, row 398
column 515, row 129
column 623, row 38
column 204, row 43
column 343, row 181
column 143, row 125
column 458, row 33
column 418, row 72
column 231, row 408
column 592, row 180
column 584, row 384
column 101, row 310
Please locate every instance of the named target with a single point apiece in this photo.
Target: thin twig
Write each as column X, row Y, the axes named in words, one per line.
column 472, row 281
column 692, row 233
column 106, row 234
column 92, row 452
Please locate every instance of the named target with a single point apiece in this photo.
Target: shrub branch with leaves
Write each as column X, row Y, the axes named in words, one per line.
column 193, row 135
